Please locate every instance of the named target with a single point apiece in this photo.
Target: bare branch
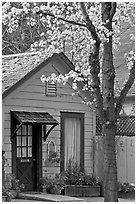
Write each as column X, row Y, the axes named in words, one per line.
column 67, row 21
column 9, row 43
column 113, row 9
column 125, row 90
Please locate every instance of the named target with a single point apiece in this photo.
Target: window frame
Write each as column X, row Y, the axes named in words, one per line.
column 81, row 116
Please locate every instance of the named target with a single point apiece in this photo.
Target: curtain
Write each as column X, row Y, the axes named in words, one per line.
column 72, row 140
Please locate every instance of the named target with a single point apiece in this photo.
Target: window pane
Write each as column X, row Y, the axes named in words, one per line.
column 51, row 146
column 23, row 129
column 72, row 139
column 24, row 152
column 29, row 140
column 19, row 152
column 29, row 129
column 18, row 140
column 19, row 131
column 24, row 140
column 29, row 151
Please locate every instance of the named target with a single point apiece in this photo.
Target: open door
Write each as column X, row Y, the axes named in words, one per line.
column 27, row 156
column 26, row 137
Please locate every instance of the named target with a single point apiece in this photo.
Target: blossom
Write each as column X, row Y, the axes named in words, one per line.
column 130, row 65
column 58, row 33
column 43, row 78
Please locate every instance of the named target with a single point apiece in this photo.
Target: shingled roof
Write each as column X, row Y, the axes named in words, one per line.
column 15, row 67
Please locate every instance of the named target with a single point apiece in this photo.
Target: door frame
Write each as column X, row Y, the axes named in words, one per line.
column 38, row 135
column 81, row 116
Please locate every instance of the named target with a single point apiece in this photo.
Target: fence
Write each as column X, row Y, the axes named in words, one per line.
column 125, row 126
column 125, row 149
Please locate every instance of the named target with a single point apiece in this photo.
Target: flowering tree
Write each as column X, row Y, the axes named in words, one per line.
column 91, row 33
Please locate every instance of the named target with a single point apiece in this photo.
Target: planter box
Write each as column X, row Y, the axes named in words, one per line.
column 82, row 191
column 130, row 195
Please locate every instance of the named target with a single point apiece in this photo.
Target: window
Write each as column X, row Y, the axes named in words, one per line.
column 72, row 138
column 24, row 141
column 50, row 89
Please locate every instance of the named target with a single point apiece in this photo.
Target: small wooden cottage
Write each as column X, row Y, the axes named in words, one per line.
column 43, row 124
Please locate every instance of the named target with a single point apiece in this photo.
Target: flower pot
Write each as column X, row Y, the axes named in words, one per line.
column 129, row 195
column 82, row 190
column 13, row 194
column 4, row 198
column 55, row 191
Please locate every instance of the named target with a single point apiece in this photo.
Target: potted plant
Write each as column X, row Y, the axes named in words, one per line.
column 78, row 183
column 52, row 185
column 126, row 190
column 5, row 194
column 12, row 186
column 53, row 159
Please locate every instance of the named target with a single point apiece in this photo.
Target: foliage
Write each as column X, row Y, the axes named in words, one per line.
column 11, row 183
column 6, row 192
column 52, row 183
column 80, row 30
column 126, row 187
column 74, row 176
column 53, row 156
column 25, row 34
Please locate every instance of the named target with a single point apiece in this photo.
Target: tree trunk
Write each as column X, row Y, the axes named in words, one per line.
column 110, row 167
column 109, row 122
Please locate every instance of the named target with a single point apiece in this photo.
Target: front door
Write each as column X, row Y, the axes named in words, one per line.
column 27, row 156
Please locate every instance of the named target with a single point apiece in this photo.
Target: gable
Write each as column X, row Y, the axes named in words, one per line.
column 58, row 64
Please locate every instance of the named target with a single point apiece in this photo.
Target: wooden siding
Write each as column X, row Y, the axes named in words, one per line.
column 30, row 97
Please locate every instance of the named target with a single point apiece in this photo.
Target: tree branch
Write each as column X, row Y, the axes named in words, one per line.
column 125, row 90
column 9, row 43
column 94, row 62
column 89, row 23
column 67, row 21
column 113, row 9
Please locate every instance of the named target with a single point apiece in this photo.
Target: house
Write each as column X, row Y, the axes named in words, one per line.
column 43, row 124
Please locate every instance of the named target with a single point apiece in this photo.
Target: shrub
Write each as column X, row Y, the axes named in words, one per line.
column 126, row 187
column 74, row 176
